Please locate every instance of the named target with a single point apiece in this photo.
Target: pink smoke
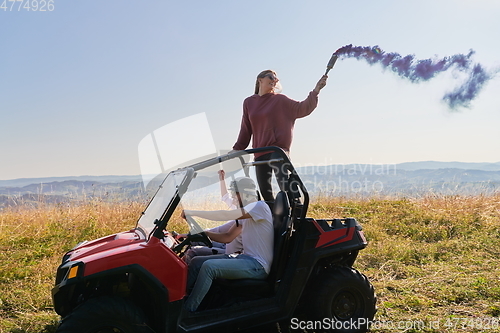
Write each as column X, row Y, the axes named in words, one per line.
column 417, row 70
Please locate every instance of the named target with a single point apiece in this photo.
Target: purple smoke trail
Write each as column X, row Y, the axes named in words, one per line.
column 423, row 70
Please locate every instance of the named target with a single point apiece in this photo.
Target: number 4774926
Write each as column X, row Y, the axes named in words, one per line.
column 27, row 5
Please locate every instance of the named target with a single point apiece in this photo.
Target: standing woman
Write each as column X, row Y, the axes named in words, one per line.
column 269, row 118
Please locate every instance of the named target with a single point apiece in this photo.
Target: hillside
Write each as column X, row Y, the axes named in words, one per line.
column 405, row 179
column 71, row 191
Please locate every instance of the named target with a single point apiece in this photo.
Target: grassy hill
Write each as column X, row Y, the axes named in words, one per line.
column 433, row 261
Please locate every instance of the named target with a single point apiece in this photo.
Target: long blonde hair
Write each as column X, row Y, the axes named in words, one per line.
column 263, row 75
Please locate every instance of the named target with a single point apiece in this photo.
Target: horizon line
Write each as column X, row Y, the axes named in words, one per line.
column 298, row 165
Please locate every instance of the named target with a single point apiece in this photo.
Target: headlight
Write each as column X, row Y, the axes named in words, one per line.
column 69, row 270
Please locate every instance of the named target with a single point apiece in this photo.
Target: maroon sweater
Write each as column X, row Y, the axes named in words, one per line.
column 270, row 119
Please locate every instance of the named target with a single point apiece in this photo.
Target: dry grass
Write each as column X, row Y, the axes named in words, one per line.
column 32, row 241
column 431, row 260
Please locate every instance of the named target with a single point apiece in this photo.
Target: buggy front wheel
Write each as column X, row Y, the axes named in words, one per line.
column 105, row 315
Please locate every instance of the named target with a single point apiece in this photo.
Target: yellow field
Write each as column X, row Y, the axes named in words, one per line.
column 434, row 261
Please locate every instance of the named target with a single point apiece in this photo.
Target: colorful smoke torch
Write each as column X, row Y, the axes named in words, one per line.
column 331, row 63
column 417, row 70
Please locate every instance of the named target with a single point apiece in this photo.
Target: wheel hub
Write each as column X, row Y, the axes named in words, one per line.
column 344, row 306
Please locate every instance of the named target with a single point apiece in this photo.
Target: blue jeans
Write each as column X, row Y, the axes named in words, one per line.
column 203, row 270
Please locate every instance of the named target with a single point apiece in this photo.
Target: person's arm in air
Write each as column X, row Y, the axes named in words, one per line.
column 225, row 197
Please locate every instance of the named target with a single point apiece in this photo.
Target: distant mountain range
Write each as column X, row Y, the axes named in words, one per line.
column 432, row 165
column 360, row 182
column 414, row 178
column 408, row 166
column 71, row 190
column 411, row 166
column 101, row 179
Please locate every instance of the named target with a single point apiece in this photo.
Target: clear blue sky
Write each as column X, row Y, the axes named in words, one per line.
column 81, row 85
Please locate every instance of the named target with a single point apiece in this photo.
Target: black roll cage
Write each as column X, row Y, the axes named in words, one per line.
column 294, row 187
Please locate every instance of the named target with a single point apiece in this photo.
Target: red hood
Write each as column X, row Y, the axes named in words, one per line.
column 104, row 244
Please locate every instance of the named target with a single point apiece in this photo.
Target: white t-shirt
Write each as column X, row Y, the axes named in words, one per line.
column 258, row 233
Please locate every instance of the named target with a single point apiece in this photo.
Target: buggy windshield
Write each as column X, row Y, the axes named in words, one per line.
column 168, row 190
column 196, row 187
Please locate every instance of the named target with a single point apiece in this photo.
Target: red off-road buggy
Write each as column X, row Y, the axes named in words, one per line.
column 135, row 281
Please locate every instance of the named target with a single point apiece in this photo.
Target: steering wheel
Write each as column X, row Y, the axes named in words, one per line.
column 200, row 235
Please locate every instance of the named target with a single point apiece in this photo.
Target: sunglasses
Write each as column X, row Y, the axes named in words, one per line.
column 271, row 76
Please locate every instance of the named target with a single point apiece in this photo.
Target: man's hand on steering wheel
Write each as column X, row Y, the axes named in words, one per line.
column 198, row 237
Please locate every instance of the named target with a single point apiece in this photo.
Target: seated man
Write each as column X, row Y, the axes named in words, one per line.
column 254, row 223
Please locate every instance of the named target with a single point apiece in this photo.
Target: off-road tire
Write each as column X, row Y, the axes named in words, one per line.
column 105, row 315
column 342, row 296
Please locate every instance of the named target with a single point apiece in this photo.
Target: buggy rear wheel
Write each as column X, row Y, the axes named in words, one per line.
column 105, row 315
column 344, row 300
